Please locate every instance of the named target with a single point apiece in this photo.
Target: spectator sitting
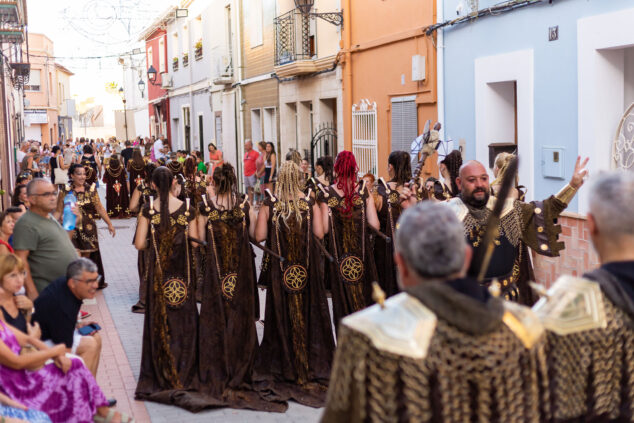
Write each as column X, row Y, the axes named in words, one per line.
column 16, row 307
column 40, row 241
column 19, row 198
column 58, row 305
column 6, row 230
column 14, row 412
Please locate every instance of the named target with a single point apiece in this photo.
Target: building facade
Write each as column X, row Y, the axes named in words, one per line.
column 306, row 66
column 41, row 114
column 14, row 75
column 543, row 81
column 65, row 104
column 259, row 89
column 158, row 105
column 135, row 122
column 389, row 79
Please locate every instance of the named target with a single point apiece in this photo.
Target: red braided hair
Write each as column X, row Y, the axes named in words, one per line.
column 346, row 169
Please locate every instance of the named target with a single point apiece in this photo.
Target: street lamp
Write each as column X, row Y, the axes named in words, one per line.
column 141, row 85
column 125, row 113
column 304, row 6
column 151, row 75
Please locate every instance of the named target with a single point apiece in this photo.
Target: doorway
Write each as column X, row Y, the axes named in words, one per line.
column 201, row 138
column 187, row 128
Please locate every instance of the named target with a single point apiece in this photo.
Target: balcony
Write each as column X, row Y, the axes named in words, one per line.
column 295, row 48
column 224, row 70
column 12, row 12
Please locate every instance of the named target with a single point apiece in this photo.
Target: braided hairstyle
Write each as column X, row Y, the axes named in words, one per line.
column 502, row 162
column 326, row 164
column 400, row 161
column 225, row 181
column 294, row 156
column 162, row 179
column 453, row 161
column 346, row 170
column 289, row 182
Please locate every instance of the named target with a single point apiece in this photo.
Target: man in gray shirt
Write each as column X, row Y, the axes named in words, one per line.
column 40, row 241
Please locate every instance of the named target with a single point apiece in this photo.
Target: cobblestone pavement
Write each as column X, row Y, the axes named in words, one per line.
column 122, row 334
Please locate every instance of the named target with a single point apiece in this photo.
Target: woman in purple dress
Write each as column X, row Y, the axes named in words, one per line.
column 45, row 379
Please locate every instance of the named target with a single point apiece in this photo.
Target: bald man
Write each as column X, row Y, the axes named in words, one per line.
column 522, row 225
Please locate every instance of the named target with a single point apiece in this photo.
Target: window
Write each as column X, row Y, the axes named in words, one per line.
column 150, row 57
column 255, row 23
column 50, row 83
column 229, row 30
column 161, row 52
column 269, row 123
column 364, row 136
column 34, row 81
column 404, row 123
column 256, row 126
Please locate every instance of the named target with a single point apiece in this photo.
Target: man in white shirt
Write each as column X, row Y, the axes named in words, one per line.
column 22, row 152
column 159, row 148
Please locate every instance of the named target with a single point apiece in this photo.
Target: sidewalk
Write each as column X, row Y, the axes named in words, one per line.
column 122, row 333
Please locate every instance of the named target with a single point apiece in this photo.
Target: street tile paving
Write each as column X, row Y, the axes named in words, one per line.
column 120, row 261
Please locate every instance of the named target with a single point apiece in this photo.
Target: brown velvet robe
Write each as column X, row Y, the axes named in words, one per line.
column 298, row 345
column 383, row 251
column 117, row 197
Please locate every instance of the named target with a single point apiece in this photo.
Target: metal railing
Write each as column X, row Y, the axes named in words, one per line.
column 293, row 40
column 364, row 137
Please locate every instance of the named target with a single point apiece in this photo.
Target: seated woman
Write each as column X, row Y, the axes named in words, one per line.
column 15, row 306
column 45, row 379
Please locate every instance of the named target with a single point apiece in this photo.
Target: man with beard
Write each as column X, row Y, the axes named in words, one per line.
column 590, row 320
column 522, row 225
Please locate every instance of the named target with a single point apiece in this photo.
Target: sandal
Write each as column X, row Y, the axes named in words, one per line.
column 110, row 417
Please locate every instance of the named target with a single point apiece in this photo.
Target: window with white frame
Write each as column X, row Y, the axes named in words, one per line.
column 269, row 124
column 256, row 126
column 161, row 54
column 364, row 137
column 255, row 23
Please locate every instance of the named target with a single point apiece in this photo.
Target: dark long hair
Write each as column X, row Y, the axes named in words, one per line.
column 400, row 161
column 73, row 167
column 268, row 155
column 162, row 178
column 326, row 164
column 137, row 157
column 225, row 180
column 189, row 168
column 15, row 198
column 453, row 161
column 150, row 167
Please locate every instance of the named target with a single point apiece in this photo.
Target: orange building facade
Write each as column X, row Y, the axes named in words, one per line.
column 389, row 78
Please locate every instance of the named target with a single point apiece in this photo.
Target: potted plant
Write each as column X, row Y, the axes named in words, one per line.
column 198, row 49
column 185, row 59
column 175, row 63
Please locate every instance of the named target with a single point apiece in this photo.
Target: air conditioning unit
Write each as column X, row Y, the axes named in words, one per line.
column 166, row 81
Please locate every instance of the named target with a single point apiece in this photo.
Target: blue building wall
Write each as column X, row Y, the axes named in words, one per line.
column 555, row 73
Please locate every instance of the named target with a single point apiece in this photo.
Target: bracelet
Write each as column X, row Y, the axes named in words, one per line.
column 566, row 194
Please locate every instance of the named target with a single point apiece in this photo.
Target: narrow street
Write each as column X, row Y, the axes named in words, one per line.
column 122, row 332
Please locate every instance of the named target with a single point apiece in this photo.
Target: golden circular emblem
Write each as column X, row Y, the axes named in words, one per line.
column 228, row 285
column 295, row 277
column 351, row 269
column 174, row 292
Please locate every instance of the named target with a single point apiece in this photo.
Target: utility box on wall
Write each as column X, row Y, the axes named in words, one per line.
column 553, row 162
column 418, row 68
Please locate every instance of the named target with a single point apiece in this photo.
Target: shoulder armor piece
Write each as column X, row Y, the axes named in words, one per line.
column 572, row 305
column 458, row 207
column 508, row 205
column 523, row 322
column 404, row 327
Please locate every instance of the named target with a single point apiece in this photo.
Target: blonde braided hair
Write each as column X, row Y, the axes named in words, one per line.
column 502, row 162
column 289, row 182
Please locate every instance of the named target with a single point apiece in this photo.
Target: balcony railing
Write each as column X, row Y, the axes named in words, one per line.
column 293, row 40
column 12, row 12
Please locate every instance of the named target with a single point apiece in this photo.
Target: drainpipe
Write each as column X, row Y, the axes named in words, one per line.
column 347, row 77
column 6, row 169
column 239, row 117
column 440, row 69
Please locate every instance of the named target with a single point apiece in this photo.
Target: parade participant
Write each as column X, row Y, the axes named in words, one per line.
column 168, row 360
column 590, row 320
column 444, row 350
column 92, row 165
column 195, row 186
column 228, row 341
column 522, row 225
column 117, row 197
column 174, row 165
column 85, row 235
column 323, row 170
column 297, row 349
column 436, row 190
column 450, row 169
column 347, row 210
column 136, row 169
column 140, row 197
column 501, row 163
column 389, row 210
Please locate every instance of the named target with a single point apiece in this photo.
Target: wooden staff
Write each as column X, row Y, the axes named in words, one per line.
column 266, row 250
column 380, row 234
column 323, row 249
